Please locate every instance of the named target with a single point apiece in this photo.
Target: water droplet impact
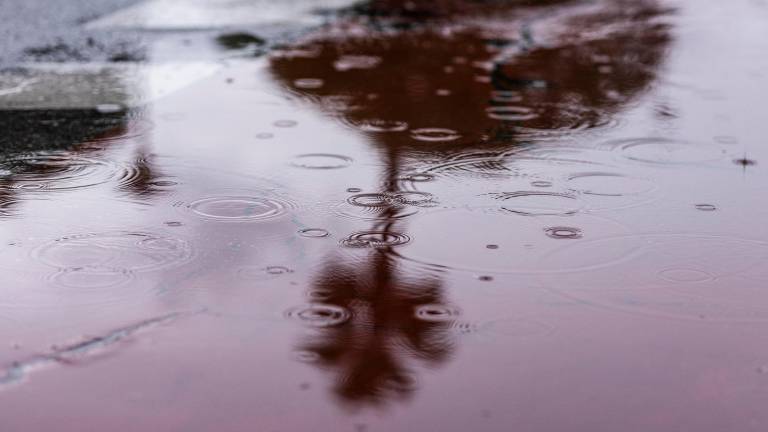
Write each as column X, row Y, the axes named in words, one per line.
column 238, row 208
column 685, row 275
column 375, row 206
column 277, row 270
column 673, row 276
column 491, row 246
column 375, row 239
column 418, row 177
column 510, row 113
column 485, row 278
column 314, row 233
column 114, row 252
column 264, row 135
column 563, row 232
column 322, row 161
column 374, row 200
column 666, row 151
column 320, row 315
column 308, row 83
column 61, row 170
column 263, row 273
column 88, row 277
column 388, row 200
column 285, row 123
column 437, row 313
column 537, row 203
column 412, row 198
column 608, row 184
column 173, row 223
column 435, row 134
column 382, row 126
column 705, row 207
column 31, row 186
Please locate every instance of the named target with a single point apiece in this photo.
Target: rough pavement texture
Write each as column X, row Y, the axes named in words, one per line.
column 44, row 30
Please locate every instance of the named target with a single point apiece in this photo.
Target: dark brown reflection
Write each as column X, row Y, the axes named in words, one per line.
column 145, row 179
column 393, row 322
column 496, row 78
column 447, row 78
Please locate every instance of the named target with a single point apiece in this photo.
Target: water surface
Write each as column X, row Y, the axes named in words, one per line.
column 483, row 216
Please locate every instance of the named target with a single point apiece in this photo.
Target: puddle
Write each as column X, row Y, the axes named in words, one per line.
column 540, row 214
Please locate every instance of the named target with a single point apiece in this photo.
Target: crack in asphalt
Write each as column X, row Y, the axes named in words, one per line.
column 21, row 369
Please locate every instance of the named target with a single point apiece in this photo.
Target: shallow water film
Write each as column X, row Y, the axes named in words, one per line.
column 384, row 215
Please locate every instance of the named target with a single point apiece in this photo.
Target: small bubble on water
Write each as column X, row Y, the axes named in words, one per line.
column 264, row 135
column 354, row 190
column 419, row 177
column 485, row 278
column 322, row 161
column 320, row 315
column 173, row 223
column 443, row 92
column 314, row 233
column 541, row 183
column 492, row 246
column 277, row 270
column 706, row 207
column 563, row 232
column 164, row 183
column 436, row 313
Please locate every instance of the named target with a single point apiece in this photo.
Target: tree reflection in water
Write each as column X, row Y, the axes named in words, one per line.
column 449, row 79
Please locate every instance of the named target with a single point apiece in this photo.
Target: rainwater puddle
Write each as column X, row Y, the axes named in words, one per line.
column 384, row 207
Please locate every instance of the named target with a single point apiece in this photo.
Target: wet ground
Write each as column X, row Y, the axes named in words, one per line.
column 240, row 215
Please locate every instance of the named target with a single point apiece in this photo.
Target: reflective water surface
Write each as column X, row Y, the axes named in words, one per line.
column 450, row 215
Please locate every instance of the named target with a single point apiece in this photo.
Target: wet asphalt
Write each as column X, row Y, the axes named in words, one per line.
column 41, row 30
